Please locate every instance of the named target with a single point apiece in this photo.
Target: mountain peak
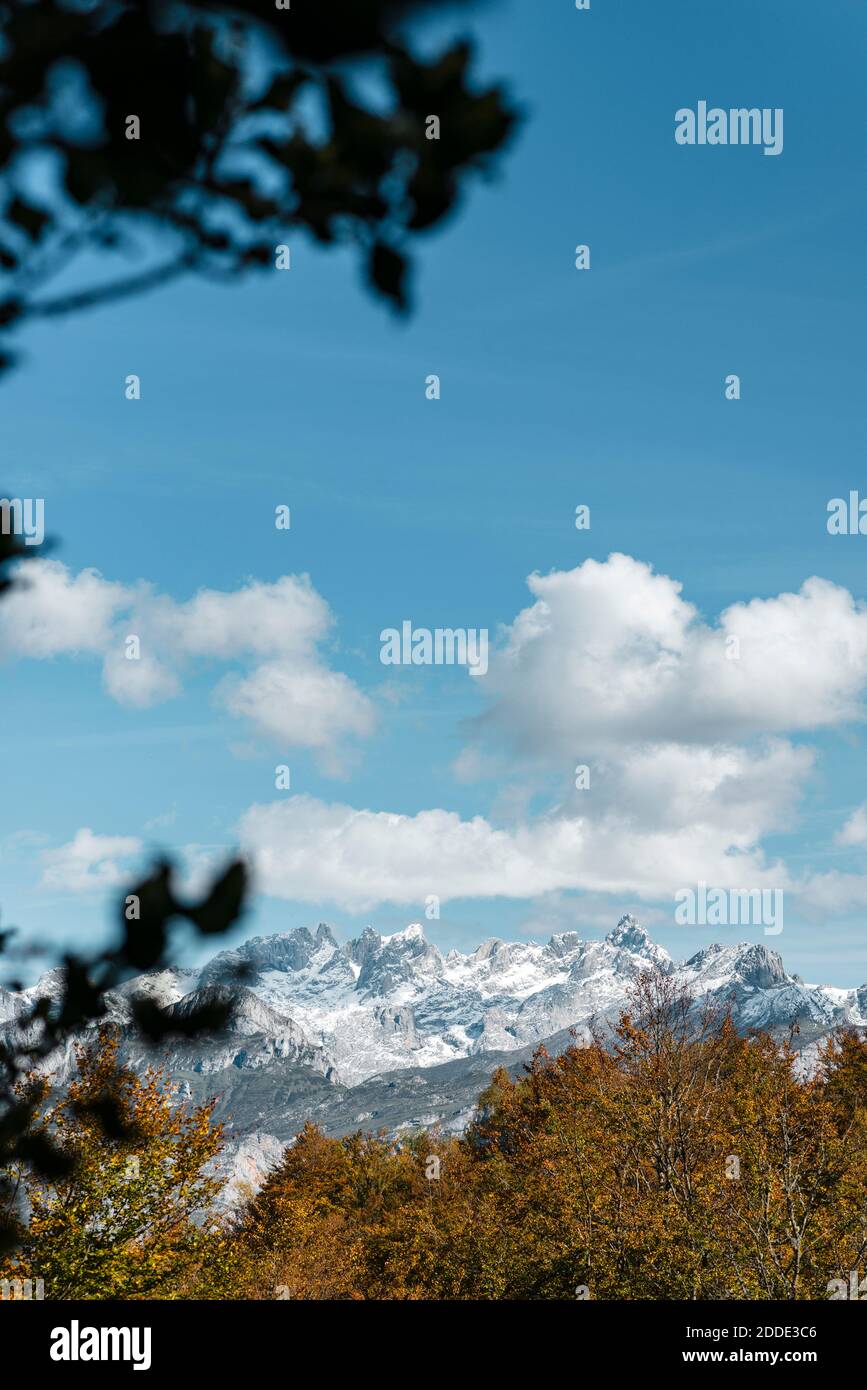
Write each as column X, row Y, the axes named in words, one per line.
column 403, row 957
column 748, row 961
column 487, row 948
column 629, row 933
column 414, row 932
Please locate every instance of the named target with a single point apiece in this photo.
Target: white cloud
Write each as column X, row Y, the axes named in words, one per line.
column 854, row 832
column 310, row 851
column 138, row 683
column 52, row 613
column 89, row 863
column 832, row 894
column 689, row 769
column 689, row 764
column 739, row 794
column 680, row 725
column 611, row 655
column 286, row 618
column 272, row 632
column 304, row 708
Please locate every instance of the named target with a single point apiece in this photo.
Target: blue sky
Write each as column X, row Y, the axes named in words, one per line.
column 559, row 387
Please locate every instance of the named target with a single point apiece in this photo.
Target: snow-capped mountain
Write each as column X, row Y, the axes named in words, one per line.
column 381, row 1002
column 387, row 1032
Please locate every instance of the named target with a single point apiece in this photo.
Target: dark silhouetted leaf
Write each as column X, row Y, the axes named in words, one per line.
column 387, row 270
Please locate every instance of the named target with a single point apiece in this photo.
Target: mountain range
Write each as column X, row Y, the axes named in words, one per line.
column 387, row 1032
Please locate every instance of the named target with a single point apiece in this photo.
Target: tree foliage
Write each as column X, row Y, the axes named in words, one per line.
column 217, row 129
column 132, row 1216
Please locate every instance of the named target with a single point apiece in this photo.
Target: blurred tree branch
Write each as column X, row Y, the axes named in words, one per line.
column 222, row 129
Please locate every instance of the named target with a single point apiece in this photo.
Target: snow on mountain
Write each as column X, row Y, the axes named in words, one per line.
column 10, row 1005
column 381, row 1002
column 161, row 987
column 376, row 1004
column 254, row 1035
column 754, row 981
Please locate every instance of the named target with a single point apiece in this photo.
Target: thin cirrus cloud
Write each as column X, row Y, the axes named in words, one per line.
column 273, row 632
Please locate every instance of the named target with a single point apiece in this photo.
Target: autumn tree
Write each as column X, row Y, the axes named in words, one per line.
column 798, row 1215
column 843, row 1071
column 133, row 1216
column 297, row 1239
